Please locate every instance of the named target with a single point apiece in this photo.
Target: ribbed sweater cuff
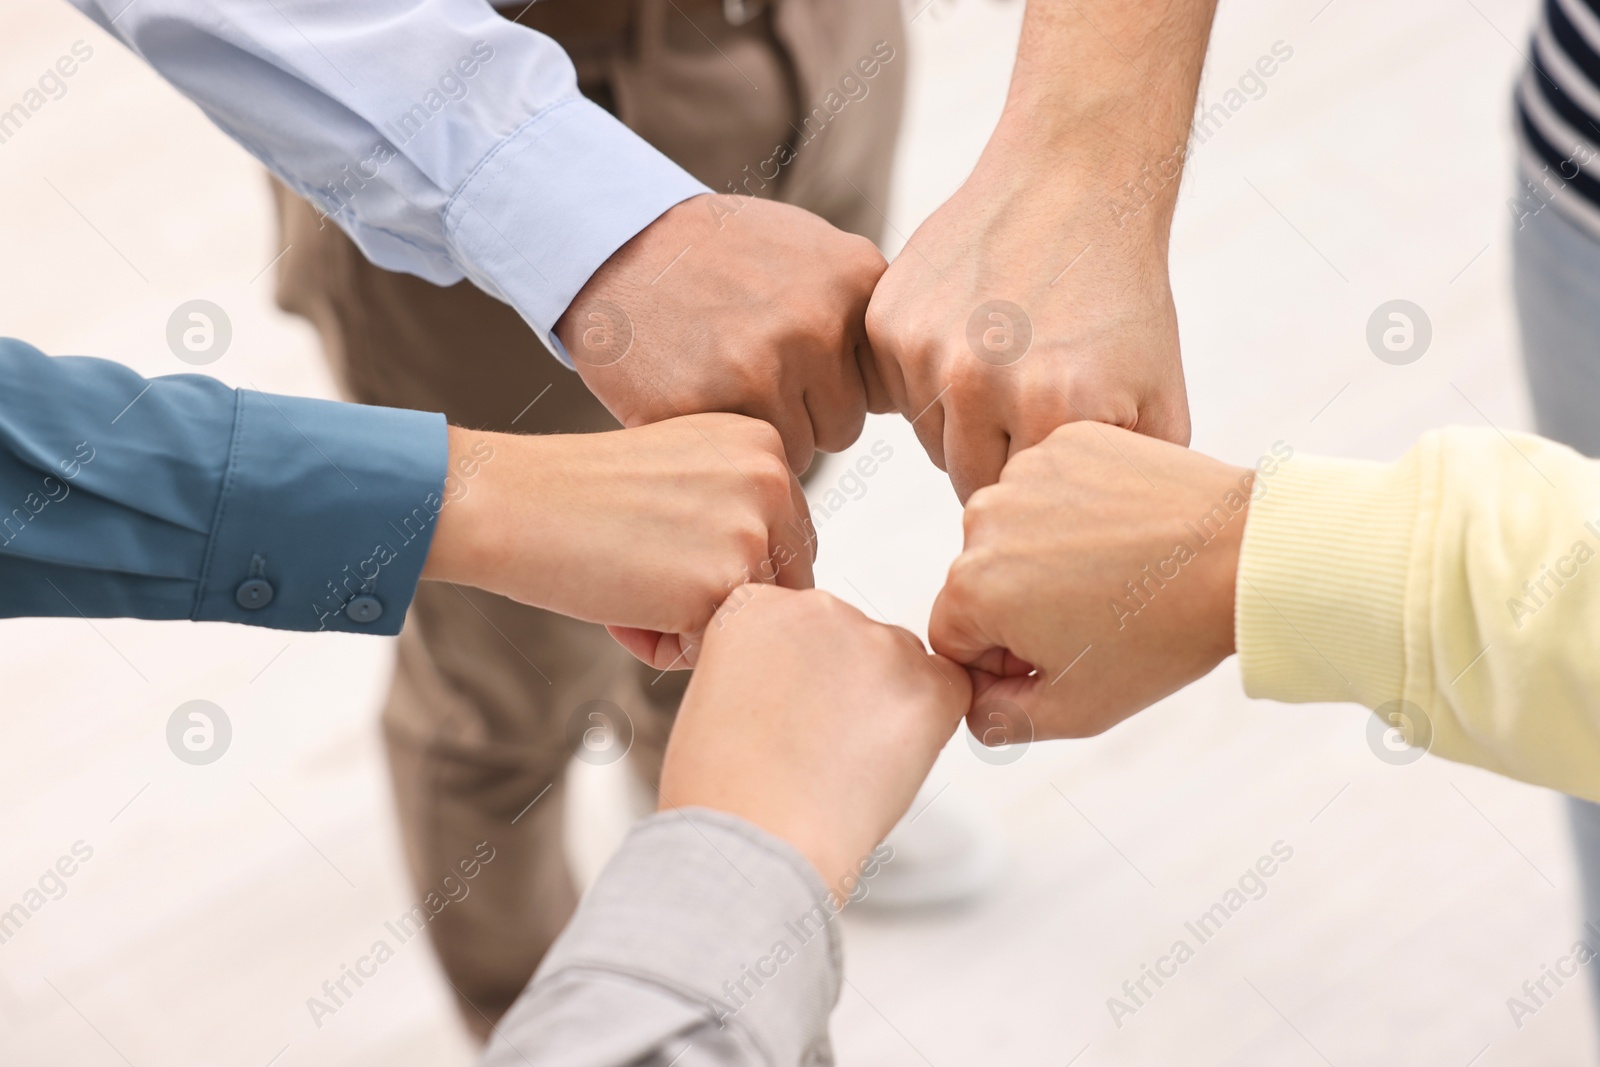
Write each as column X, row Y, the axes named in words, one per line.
column 1321, row 595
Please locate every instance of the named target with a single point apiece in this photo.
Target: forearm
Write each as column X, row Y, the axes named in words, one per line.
column 1457, row 580
column 705, row 942
column 1106, row 89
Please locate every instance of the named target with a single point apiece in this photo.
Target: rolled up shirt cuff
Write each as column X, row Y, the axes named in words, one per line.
column 711, row 908
column 541, row 214
column 326, row 515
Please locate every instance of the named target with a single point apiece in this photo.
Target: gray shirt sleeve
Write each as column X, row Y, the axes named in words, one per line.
column 704, row 942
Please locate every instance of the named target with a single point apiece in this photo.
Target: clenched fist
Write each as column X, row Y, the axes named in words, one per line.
column 647, row 530
column 1038, row 295
column 1013, row 311
column 728, row 303
column 811, row 721
column 1097, row 577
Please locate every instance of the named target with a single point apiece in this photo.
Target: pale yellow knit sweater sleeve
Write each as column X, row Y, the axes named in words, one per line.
column 1464, row 578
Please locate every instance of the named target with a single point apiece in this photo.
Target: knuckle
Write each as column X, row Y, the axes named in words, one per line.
column 817, row 601
column 968, row 376
column 868, row 260
column 763, row 439
column 881, row 321
column 886, row 645
column 972, row 389
column 969, row 575
column 737, row 561
column 750, row 538
column 980, row 511
column 1121, row 409
column 1095, row 401
column 806, row 609
column 838, row 613
column 829, row 344
column 768, row 472
column 780, row 506
column 753, row 375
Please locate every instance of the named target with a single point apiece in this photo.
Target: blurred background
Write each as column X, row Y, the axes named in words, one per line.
column 1375, row 166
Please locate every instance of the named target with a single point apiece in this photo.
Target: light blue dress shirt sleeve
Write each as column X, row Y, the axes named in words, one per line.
column 446, row 140
column 180, row 498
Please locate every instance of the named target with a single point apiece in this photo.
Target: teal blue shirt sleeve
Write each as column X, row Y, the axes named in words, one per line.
column 180, row 498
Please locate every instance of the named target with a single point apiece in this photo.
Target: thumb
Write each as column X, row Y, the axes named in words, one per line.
column 662, row 651
column 956, row 631
column 1003, row 709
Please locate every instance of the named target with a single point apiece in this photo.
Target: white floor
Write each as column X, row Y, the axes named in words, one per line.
column 1418, row 898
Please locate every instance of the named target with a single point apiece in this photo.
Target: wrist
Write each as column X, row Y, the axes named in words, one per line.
column 1120, row 200
column 1101, row 134
column 468, row 540
column 818, row 845
column 839, row 868
column 1223, row 599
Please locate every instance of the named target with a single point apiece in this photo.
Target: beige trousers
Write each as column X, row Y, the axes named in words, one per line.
column 491, row 698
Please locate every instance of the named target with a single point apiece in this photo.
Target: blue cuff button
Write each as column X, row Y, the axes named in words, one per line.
column 364, row 609
column 254, row 594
